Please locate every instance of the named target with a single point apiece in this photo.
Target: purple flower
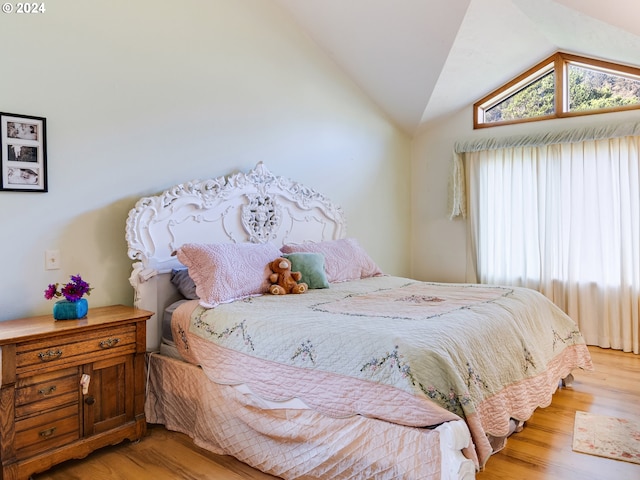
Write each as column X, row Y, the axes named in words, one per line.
column 51, row 291
column 72, row 291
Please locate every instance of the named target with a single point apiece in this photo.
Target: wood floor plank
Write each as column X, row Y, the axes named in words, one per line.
column 542, row 451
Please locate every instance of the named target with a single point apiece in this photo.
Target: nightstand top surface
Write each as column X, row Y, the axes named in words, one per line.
column 45, row 325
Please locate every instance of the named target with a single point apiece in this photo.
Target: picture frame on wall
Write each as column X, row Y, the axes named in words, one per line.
column 23, row 153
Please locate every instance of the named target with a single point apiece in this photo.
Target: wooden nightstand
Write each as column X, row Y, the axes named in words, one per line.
column 45, row 418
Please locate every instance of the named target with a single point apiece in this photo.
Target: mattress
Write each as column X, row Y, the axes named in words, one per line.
column 165, row 329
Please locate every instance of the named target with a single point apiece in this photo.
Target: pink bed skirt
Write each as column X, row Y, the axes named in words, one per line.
column 301, row 444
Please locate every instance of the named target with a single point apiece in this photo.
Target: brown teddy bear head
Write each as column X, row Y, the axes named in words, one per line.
column 280, row 265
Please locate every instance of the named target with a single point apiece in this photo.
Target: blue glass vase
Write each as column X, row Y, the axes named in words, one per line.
column 66, row 310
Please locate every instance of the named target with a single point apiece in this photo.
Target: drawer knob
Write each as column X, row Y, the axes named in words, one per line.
column 50, row 355
column 47, row 391
column 109, row 342
column 89, row 400
column 48, row 432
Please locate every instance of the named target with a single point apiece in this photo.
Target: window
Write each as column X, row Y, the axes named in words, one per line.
column 561, row 86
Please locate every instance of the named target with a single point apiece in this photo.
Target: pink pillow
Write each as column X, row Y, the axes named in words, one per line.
column 224, row 272
column 344, row 259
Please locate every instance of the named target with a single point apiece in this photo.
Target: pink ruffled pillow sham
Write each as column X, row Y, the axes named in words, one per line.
column 226, row 272
column 344, row 259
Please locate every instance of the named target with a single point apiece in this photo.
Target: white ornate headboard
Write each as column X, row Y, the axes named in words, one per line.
column 256, row 206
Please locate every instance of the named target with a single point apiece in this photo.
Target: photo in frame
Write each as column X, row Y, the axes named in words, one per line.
column 23, row 153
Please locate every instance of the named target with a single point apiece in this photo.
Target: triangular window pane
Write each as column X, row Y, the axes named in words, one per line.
column 591, row 89
column 563, row 85
column 535, row 100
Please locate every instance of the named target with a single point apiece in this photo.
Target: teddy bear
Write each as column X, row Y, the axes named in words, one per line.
column 283, row 279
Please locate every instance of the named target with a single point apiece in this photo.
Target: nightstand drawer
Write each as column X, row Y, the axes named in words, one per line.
column 38, row 355
column 40, row 393
column 47, row 431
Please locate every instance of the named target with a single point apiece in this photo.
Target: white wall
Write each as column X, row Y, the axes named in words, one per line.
column 439, row 244
column 141, row 95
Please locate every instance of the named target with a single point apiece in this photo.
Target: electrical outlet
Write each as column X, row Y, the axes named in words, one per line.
column 52, row 259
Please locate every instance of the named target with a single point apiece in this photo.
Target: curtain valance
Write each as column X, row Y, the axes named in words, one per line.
column 549, row 138
column 457, row 193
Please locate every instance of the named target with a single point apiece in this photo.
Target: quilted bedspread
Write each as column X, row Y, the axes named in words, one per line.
column 409, row 352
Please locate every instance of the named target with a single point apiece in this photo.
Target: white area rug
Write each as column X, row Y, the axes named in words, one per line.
column 608, row 437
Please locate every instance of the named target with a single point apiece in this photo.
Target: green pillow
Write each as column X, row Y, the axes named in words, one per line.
column 311, row 266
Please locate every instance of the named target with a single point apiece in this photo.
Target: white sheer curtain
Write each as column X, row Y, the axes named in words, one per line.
column 564, row 219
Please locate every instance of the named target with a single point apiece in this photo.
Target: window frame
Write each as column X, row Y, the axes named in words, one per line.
column 558, row 63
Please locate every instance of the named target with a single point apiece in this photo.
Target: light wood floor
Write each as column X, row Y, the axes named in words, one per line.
column 542, row 451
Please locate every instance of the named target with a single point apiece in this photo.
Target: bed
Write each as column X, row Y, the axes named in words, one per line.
column 365, row 375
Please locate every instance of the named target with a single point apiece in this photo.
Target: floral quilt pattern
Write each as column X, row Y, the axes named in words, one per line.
column 453, row 344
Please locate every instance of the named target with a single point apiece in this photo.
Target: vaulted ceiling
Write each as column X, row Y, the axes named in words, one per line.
column 421, row 60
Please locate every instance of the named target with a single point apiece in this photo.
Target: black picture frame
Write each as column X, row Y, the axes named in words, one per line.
column 23, row 153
